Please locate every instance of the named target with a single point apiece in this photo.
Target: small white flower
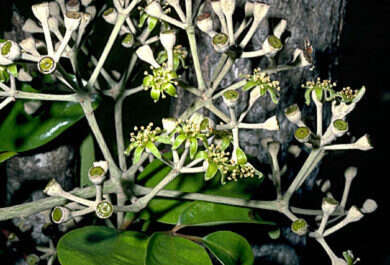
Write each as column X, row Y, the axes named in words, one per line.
column 24, row 76
column 110, row 15
column 10, row 50
column 168, row 39
column 205, row 24
column 72, row 20
column 53, row 188
column 363, row 143
column 60, row 214
column 353, row 215
column 230, row 98
column 31, row 27
column 329, row 205
column 339, row 127
column 293, row 113
column 41, row 11
column 369, row 206
column 154, row 9
column 73, row 5
column 169, row 124
column 97, row 173
column 145, row 53
column 271, row 124
column 350, row 173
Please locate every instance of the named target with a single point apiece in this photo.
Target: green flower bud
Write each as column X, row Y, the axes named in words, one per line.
column 220, row 42
column 59, row 214
column 231, row 97
column 299, row 227
column 339, row 127
column 104, row 209
column 46, row 65
column 302, row 134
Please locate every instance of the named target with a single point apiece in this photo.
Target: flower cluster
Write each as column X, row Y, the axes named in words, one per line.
column 160, row 81
column 347, row 95
column 179, row 55
column 144, row 138
column 262, row 81
column 322, row 89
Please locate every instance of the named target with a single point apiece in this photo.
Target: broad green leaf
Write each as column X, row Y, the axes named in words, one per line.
column 153, row 149
column 137, row 154
column 193, row 147
column 179, row 140
column 100, row 245
column 225, row 143
column 165, row 249
column 241, row 157
column 87, row 157
column 21, row 132
column 6, row 155
column 169, row 210
column 274, row 234
column 207, row 213
column 229, row 248
column 211, row 171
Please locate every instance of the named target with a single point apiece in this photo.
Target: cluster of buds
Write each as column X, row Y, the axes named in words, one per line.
column 160, row 81
column 179, row 55
column 322, row 89
column 144, row 138
column 262, row 81
column 348, row 95
column 235, row 171
column 49, row 16
column 143, row 135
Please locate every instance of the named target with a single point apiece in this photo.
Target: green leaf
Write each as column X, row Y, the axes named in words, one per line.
column 211, row 171
column 169, row 89
column 273, row 94
column 241, row 157
column 225, row 142
column 169, row 210
column 100, row 245
column 201, row 155
column 249, row 85
column 200, row 213
column 130, row 148
column 137, row 154
column 153, row 149
column 87, row 157
column 6, row 155
column 13, row 70
column 155, row 94
column 21, row 132
column 274, row 234
column 178, row 141
column 318, row 92
column 152, row 22
column 308, row 96
column 165, row 139
column 193, row 147
column 142, row 19
column 229, row 248
column 165, row 249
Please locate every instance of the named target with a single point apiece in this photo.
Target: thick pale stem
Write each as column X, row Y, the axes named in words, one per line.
column 114, row 34
column 88, row 110
column 195, row 57
column 324, row 220
column 64, row 43
column 347, row 188
column 49, row 42
column 6, row 101
column 302, row 174
column 38, row 96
